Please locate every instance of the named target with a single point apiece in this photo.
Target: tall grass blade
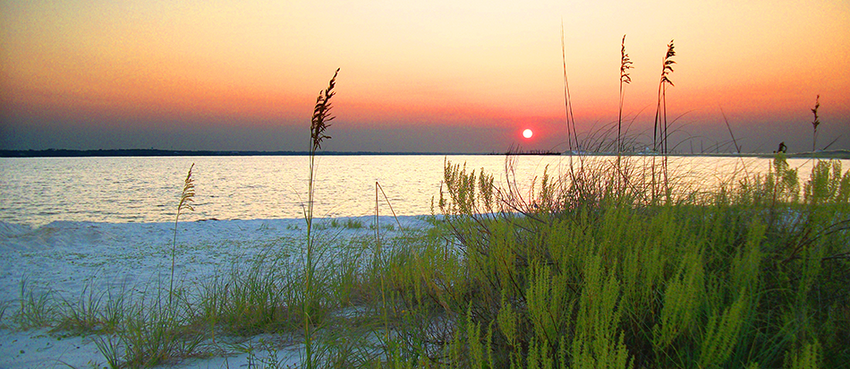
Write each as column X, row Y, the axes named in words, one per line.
column 568, row 105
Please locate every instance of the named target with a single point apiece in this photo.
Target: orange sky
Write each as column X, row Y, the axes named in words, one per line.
column 436, row 75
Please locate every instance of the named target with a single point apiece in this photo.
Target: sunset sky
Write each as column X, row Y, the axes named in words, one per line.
column 417, row 76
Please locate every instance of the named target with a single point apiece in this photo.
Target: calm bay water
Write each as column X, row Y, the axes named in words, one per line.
column 37, row 191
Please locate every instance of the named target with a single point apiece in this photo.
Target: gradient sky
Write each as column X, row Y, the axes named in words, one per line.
column 436, row 75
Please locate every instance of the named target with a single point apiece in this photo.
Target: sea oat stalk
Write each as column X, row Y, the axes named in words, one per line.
column 319, row 123
column 185, row 204
column 660, row 129
column 625, row 65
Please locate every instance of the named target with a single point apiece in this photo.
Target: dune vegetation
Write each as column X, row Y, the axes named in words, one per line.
column 584, row 271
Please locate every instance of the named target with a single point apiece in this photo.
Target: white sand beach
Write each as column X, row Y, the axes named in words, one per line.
column 71, row 259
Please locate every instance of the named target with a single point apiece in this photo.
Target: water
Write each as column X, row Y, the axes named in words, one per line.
column 37, row 191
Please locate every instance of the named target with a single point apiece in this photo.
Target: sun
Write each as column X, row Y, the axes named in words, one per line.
column 527, row 133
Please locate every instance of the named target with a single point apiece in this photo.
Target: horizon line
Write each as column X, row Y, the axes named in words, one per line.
column 31, row 153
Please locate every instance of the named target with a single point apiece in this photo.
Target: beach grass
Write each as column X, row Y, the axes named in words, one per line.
column 35, row 309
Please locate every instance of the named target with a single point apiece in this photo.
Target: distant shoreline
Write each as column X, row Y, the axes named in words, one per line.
column 161, row 152
column 832, row 154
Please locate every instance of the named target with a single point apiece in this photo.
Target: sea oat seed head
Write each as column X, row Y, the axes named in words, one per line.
column 625, row 63
column 188, row 192
column 322, row 115
column 668, row 64
column 816, row 122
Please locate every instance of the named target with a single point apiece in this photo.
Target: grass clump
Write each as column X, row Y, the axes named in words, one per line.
column 34, row 307
column 92, row 312
column 572, row 275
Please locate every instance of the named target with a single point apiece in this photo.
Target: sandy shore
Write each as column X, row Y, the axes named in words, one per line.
column 70, row 258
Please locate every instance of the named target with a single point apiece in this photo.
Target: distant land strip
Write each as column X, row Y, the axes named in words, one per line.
column 161, row 152
column 834, row 154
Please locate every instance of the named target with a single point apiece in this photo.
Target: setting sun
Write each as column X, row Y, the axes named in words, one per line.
column 527, row 133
